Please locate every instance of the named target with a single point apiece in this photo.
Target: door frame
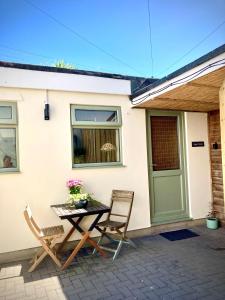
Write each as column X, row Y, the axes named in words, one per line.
column 183, row 161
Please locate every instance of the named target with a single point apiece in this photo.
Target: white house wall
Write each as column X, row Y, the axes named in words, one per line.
column 19, row 78
column 45, row 163
column 198, row 164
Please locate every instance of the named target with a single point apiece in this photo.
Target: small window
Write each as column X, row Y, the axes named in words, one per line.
column 8, row 137
column 96, row 135
column 104, row 116
column 7, row 113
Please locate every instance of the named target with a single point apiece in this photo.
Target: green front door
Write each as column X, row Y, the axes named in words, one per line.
column 166, row 167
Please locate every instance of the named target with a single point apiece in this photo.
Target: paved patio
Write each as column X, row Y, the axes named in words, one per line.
column 159, row 269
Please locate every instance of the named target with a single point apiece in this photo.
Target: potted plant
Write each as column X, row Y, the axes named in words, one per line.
column 212, row 221
column 77, row 198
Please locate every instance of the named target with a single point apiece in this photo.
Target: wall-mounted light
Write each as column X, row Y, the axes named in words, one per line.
column 47, row 108
column 215, row 146
column 46, row 112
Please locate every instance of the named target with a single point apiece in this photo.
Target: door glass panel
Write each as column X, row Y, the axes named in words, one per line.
column 164, row 135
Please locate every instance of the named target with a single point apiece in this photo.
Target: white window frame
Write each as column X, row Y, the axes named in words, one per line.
column 11, row 123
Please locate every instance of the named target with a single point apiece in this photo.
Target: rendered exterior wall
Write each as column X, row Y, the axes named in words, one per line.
column 198, row 165
column 46, row 163
column 11, row 77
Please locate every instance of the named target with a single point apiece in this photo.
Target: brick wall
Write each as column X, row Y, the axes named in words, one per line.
column 216, row 163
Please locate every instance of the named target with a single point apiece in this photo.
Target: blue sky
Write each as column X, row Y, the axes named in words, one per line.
column 116, row 27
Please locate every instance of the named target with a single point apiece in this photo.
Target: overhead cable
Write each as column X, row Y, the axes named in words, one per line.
column 75, row 33
column 150, row 39
column 193, row 48
column 43, row 56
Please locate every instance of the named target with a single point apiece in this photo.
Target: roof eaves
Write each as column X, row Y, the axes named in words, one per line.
column 67, row 71
column 136, row 82
column 180, row 71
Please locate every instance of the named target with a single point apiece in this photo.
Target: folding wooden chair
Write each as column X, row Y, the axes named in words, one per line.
column 47, row 237
column 114, row 228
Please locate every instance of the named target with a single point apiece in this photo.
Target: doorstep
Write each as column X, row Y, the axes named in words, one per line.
column 156, row 229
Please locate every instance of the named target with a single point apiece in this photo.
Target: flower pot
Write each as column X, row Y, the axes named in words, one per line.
column 82, row 203
column 212, row 223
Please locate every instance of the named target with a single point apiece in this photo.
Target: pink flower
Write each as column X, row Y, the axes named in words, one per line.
column 73, row 183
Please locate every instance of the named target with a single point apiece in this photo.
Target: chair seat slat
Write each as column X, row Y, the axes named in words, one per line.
column 118, row 215
column 52, row 231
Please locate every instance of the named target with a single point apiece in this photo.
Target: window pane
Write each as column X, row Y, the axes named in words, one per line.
column 96, row 115
column 95, row 145
column 5, row 112
column 165, row 153
column 8, row 148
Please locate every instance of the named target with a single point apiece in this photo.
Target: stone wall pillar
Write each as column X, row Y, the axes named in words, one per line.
column 222, row 124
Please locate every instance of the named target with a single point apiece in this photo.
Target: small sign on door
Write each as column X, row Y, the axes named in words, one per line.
column 198, row 144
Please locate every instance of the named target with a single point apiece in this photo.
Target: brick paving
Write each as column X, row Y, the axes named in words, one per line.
column 158, row 269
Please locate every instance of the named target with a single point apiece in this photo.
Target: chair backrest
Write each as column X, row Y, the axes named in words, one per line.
column 31, row 223
column 121, row 206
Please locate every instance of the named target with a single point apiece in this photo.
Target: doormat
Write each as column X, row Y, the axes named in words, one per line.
column 178, row 235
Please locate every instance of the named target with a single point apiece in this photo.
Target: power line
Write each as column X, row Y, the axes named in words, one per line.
column 193, row 48
column 25, row 52
column 75, row 33
column 43, row 56
column 150, row 39
column 11, row 57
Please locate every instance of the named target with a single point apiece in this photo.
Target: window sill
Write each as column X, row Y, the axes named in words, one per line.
column 9, row 171
column 98, row 166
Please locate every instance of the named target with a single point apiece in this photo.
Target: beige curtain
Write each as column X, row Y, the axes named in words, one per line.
column 93, row 141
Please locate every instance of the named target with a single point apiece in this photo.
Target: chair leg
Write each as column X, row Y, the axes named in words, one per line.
column 131, row 243
column 98, row 243
column 54, row 258
column 37, row 261
column 118, row 249
column 36, row 256
column 47, row 250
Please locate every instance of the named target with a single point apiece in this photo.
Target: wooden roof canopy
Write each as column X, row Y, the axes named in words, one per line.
column 201, row 94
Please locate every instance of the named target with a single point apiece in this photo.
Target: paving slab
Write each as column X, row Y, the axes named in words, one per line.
column 192, row 268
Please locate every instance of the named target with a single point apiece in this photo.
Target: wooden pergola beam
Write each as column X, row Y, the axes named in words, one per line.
column 201, row 85
column 208, row 101
column 180, row 105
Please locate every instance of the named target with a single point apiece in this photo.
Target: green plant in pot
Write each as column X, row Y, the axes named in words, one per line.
column 212, row 221
column 77, row 198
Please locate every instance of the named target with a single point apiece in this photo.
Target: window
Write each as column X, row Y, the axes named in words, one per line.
column 96, row 135
column 8, row 137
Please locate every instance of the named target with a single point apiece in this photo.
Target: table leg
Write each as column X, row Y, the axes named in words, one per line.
column 66, row 239
column 75, row 251
column 96, row 246
column 92, row 226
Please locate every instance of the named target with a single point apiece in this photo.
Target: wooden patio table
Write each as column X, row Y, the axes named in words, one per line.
column 75, row 216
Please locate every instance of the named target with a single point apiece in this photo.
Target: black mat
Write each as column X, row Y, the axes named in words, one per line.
column 179, row 235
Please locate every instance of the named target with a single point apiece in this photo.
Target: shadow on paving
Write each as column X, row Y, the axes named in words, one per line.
column 193, row 268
